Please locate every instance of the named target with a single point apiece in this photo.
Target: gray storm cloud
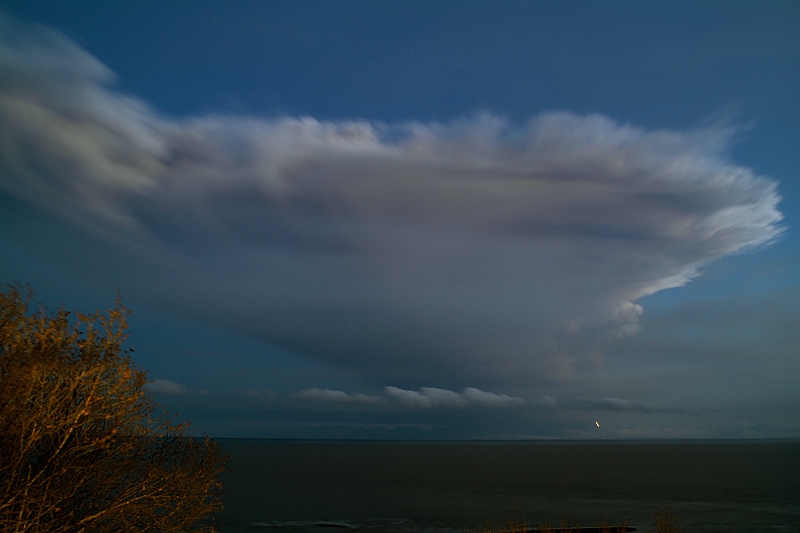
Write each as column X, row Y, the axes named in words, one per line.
column 471, row 248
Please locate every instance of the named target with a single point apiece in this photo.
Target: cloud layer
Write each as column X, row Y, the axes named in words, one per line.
column 425, row 398
column 337, row 396
column 617, row 405
column 165, row 386
column 432, row 397
column 471, row 249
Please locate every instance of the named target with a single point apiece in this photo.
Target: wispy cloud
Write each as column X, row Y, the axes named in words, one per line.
column 428, row 397
column 164, row 386
column 490, row 399
column 391, row 249
column 337, row 396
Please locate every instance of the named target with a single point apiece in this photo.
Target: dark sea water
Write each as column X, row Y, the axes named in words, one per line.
column 442, row 487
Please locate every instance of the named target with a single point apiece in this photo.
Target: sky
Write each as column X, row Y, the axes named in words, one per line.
column 416, row 220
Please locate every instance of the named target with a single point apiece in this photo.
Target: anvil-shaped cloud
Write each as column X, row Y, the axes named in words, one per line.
column 471, row 249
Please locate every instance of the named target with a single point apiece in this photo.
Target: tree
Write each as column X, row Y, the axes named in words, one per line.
column 83, row 445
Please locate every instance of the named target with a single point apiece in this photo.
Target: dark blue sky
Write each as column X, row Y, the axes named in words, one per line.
column 458, row 219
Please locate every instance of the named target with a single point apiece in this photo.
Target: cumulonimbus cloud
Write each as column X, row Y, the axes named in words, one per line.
column 476, row 244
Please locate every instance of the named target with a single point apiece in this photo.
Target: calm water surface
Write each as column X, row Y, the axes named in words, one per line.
column 442, row 487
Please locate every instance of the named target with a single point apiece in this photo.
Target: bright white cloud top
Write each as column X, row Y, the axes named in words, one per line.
column 476, row 245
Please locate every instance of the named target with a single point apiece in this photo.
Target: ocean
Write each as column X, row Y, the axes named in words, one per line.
column 441, row 487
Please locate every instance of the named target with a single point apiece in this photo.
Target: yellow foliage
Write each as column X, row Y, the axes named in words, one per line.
column 82, row 448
